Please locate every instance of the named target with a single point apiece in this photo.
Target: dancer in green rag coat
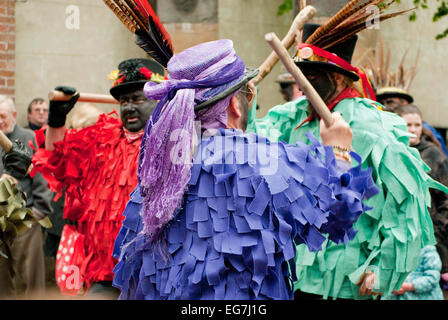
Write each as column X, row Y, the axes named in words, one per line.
column 387, row 245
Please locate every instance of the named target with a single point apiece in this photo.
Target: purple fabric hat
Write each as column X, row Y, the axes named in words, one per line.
column 195, row 75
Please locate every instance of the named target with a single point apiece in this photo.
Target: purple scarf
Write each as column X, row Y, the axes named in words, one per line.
column 195, row 75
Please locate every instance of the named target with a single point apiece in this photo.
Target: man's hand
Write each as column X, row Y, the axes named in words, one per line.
column 59, row 109
column 17, row 160
column 365, row 283
column 405, row 287
column 338, row 134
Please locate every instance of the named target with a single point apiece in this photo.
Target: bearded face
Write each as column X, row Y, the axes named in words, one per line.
column 135, row 109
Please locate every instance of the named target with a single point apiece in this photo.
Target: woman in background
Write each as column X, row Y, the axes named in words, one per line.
column 426, row 281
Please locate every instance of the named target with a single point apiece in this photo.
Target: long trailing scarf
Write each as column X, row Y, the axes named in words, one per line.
column 166, row 152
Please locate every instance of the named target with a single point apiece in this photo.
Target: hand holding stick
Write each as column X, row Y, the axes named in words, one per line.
column 302, row 17
column 304, row 85
column 83, row 97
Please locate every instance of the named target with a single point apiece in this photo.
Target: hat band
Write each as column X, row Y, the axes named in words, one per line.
column 332, row 58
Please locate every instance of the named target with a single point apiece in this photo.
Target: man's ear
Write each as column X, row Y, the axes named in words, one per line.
column 14, row 114
column 234, row 107
column 250, row 96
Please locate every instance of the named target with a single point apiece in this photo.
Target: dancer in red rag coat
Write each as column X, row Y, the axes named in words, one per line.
column 97, row 167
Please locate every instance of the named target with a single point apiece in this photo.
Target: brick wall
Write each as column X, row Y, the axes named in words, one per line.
column 7, row 47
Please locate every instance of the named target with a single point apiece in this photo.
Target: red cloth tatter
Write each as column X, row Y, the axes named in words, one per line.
column 97, row 166
column 347, row 93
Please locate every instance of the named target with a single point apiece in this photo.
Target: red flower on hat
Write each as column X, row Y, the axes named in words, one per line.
column 119, row 80
column 146, row 72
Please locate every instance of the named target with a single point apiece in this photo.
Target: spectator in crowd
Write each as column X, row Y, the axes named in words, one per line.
column 435, row 158
column 26, row 267
column 288, row 87
column 37, row 114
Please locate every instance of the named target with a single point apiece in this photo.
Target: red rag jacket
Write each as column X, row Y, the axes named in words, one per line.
column 97, row 166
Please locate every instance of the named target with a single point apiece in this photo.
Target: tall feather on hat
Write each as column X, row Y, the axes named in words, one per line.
column 351, row 19
column 150, row 34
column 331, row 44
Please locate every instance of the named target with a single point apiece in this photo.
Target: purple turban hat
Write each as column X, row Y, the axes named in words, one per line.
column 201, row 78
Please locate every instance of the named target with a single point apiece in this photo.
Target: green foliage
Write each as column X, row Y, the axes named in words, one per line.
column 442, row 11
column 286, row 6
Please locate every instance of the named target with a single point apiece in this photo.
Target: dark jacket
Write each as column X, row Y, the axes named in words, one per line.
column 38, row 194
column 436, row 159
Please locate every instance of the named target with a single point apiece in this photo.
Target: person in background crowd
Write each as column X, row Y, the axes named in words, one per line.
column 24, row 273
column 434, row 157
column 37, row 114
column 288, row 87
column 392, row 98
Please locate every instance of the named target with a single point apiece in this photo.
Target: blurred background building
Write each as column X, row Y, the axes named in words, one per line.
column 45, row 43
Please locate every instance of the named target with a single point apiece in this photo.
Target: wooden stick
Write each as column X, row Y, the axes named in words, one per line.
column 304, row 85
column 5, row 143
column 302, row 4
column 266, row 67
column 83, row 97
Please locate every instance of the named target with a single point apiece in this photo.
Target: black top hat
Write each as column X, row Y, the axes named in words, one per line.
column 131, row 75
column 343, row 50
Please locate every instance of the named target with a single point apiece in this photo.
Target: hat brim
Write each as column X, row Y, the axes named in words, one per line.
column 126, row 86
column 248, row 75
column 329, row 67
column 386, row 95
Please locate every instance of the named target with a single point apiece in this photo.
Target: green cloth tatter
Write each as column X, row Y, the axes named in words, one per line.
column 15, row 217
column 390, row 235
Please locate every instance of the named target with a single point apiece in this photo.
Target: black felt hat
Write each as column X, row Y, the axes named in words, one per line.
column 133, row 73
column 343, row 50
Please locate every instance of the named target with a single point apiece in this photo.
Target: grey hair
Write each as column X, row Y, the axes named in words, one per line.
column 8, row 100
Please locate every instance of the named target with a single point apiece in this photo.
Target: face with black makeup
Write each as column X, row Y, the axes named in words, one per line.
column 135, row 109
column 321, row 80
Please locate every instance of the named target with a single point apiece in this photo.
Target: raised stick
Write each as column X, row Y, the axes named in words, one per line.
column 302, row 17
column 304, row 85
column 83, row 97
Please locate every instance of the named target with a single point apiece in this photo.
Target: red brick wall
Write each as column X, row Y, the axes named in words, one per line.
column 7, row 47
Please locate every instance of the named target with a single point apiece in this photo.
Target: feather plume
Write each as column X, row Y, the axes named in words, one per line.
column 121, row 15
column 334, row 21
column 339, row 35
column 377, row 68
column 350, row 20
column 150, row 34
